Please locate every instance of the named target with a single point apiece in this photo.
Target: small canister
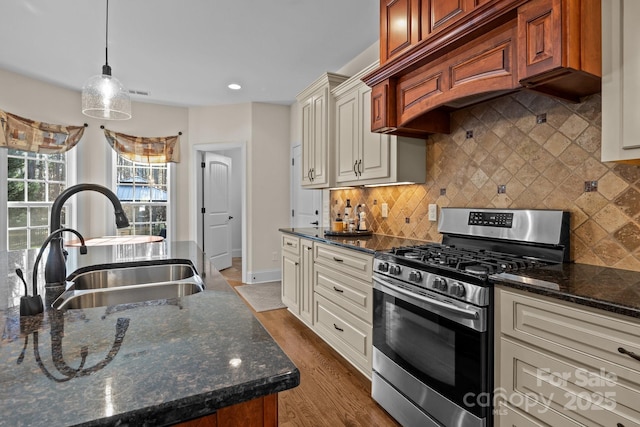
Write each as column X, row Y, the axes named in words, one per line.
column 338, row 224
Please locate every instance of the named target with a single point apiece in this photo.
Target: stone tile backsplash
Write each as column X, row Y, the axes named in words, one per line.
column 543, row 162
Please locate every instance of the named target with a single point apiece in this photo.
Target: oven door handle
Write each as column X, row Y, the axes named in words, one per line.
column 461, row 311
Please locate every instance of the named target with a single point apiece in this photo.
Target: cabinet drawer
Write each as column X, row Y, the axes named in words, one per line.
column 354, row 263
column 571, row 331
column 290, row 243
column 551, row 387
column 354, row 295
column 347, row 334
column 507, row 416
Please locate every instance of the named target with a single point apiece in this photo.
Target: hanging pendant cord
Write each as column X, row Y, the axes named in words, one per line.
column 106, row 38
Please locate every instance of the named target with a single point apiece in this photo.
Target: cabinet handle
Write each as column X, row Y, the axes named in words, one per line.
column 309, row 175
column 308, row 248
column 338, row 290
column 297, row 263
column 338, row 259
column 629, row 353
column 339, row 329
column 355, row 172
column 289, row 244
column 359, row 167
column 619, row 425
column 313, row 174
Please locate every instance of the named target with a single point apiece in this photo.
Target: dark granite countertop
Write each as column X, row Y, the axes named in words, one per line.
column 143, row 364
column 371, row 244
column 609, row 289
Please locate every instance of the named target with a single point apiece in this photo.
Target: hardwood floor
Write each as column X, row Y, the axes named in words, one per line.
column 331, row 393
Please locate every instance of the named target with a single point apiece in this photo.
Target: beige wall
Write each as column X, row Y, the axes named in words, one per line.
column 44, row 102
column 265, row 128
column 544, row 166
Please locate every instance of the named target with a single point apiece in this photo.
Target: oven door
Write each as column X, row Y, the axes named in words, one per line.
column 431, row 340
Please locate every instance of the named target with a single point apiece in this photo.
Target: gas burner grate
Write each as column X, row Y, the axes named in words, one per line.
column 480, row 262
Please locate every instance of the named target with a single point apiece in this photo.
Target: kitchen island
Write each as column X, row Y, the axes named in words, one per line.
column 154, row 363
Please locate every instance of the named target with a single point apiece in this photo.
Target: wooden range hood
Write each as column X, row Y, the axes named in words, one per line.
column 456, row 53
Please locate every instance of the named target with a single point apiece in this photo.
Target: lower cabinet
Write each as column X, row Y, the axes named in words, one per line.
column 259, row 412
column 347, row 334
column 306, row 281
column 330, row 289
column 290, row 267
column 564, row 364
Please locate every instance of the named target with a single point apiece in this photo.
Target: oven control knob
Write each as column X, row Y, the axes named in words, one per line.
column 383, row 266
column 395, row 270
column 457, row 290
column 415, row 276
column 440, row 284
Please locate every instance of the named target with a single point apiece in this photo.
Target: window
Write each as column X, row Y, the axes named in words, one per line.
column 34, row 180
column 143, row 191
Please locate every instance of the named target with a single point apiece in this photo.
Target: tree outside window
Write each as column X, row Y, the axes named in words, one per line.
column 34, row 181
column 142, row 190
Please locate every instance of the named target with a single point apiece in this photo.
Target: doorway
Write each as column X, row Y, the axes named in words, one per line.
column 221, row 184
column 305, row 203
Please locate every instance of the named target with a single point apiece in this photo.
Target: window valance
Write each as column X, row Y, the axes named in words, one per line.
column 145, row 149
column 28, row 135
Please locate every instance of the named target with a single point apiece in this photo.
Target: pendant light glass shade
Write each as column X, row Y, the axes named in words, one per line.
column 103, row 96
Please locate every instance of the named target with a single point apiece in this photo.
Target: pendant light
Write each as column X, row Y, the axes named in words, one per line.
column 103, row 96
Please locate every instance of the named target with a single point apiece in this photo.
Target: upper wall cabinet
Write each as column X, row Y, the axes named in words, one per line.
column 364, row 157
column 405, row 23
column 620, row 82
column 438, row 56
column 317, row 112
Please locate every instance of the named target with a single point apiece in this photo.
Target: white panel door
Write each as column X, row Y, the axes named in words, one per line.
column 217, row 230
column 305, row 203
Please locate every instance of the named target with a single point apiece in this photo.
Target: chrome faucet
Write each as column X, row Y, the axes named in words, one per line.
column 55, row 270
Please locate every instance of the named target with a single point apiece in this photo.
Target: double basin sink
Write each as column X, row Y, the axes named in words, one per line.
column 127, row 283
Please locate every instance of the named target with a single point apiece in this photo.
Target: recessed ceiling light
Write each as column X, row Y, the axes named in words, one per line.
column 234, row 86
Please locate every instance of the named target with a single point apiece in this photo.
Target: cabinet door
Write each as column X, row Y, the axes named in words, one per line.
column 347, row 144
column 320, row 164
column 436, row 15
column 397, row 29
column 373, row 160
column 290, row 280
column 306, row 282
column 539, row 37
column 307, row 142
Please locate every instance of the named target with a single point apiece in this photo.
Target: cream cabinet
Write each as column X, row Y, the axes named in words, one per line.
column 564, row 364
column 317, row 114
column 290, row 266
column 306, row 281
column 297, row 276
column 343, row 302
column 620, row 82
column 364, row 157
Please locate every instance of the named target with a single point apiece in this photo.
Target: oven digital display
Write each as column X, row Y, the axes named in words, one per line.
column 491, row 219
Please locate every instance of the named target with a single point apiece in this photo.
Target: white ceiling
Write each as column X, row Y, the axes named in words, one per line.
column 186, row 52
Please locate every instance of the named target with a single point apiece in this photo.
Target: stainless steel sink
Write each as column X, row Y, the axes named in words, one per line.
column 125, row 283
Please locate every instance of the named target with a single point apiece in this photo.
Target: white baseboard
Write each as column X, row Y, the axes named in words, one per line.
column 264, row 276
column 236, row 253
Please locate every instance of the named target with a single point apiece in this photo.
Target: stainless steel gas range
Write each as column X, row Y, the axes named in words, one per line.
column 433, row 311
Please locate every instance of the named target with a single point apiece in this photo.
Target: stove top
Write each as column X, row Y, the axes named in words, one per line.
column 479, row 262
